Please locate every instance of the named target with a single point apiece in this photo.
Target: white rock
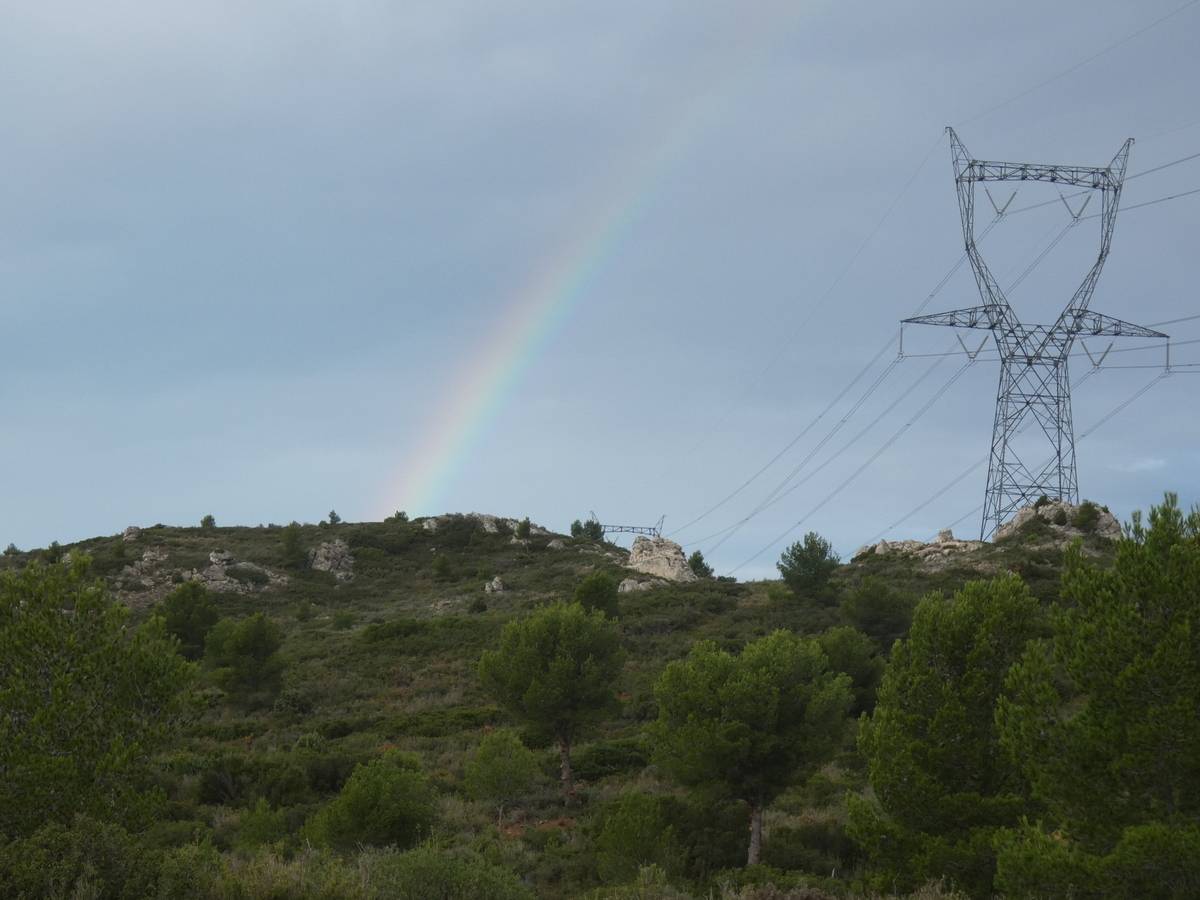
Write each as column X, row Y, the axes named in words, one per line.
column 661, row 558
column 132, row 533
column 629, row 585
column 495, row 586
column 333, row 556
column 557, row 544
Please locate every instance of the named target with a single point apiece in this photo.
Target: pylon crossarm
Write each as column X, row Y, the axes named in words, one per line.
column 971, row 317
column 1083, row 321
column 1073, row 176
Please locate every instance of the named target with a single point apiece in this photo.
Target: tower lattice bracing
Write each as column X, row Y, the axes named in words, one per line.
column 1034, row 394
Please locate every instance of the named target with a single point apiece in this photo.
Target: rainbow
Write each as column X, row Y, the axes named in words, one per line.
column 539, row 310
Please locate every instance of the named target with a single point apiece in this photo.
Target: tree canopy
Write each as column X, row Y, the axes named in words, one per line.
column 555, row 669
column 941, row 780
column 806, row 565
column 746, row 725
column 85, row 699
column 1102, row 719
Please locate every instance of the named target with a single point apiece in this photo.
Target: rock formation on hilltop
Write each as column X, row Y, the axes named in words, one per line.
column 660, row 558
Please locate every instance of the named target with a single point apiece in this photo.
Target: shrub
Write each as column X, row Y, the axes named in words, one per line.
column 879, row 611
column 243, row 654
column 399, row 517
column 806, row 566
column 343, row 620
column 85, row 699
column 334, row 518
column 634, row 832
column 294, row 554
column 478, row 605
column 501, row 770
column 699, row 567
column 208, row 523
column 524, row 528
column 428, row 872
column 189, row 613
column 604, row 758
column 442, row 570
column 1086, row 516
column 246, row 573
column 85, row 859
column 852, row 652
column 598, row 591
column 1060, row 516
column 261, row 825
column 386, row 802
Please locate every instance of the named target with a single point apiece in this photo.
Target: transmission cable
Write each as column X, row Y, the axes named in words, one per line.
column 841, row 394
column 1079, row 65
column 862, row 468
column 1120, row 407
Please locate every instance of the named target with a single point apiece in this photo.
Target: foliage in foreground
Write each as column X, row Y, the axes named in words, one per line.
column 942, row 783
column 85, row 699
column 747, row 725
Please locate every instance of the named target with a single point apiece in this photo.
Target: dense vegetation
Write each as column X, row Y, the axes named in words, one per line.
column 875, row 726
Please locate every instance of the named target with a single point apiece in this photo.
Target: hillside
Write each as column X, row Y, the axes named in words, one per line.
column 380, row 651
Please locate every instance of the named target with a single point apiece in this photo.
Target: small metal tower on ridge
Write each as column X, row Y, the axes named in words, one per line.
column 1034, row 381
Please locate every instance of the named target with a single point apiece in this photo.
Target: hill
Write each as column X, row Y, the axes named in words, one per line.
column 382, row 627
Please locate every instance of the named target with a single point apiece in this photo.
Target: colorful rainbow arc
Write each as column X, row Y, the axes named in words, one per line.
column 539, row 310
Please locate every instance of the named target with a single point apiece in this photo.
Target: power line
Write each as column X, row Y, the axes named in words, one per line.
column 826, row 294
column 1083, row 62
column 778, row 493
column 862, row 468
column 841, row 394
column 1112, row 413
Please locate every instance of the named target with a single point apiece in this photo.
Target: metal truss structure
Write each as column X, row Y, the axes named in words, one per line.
column 1034, row 384
column 648, row 530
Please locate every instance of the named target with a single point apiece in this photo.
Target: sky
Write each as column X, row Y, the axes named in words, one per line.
column 542, row 258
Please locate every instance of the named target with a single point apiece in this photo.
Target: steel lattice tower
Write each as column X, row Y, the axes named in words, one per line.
column 1034, row 387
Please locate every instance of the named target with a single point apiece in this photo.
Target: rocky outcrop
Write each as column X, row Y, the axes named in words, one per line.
column 557, row 544
column 131, row 534
column 943, row 551
column 1066, row 521
column 629, row 585
column 495, row 586
column 334, row 557
column 661, row 558
column 489, row 523
column 226, row 574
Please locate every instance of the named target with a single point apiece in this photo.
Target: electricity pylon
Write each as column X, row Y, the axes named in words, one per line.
column 1034, row 382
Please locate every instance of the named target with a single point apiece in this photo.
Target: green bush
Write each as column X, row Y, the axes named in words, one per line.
column 208, row 522
column 248, row 574
column 243, row 655
column 879, row 611
column 261, row 825
column 601, row 759
column 501, row 770
column 294, row 554
column 189, row 613
column 85, row 859
column 598, row 591
column 428, row 872
column 634, row 832
column 1086, row 516
column 807, row 566
column 699, row 567
column 386, row 802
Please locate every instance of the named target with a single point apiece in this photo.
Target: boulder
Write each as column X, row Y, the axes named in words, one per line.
column 333, row 556
column 629, row 585
column 495, row 586
column 661, row 558
column 557, row 544
column 130, row 534
column 1054, row 511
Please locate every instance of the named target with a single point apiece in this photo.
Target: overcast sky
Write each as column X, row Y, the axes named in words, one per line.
column 250, row 254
